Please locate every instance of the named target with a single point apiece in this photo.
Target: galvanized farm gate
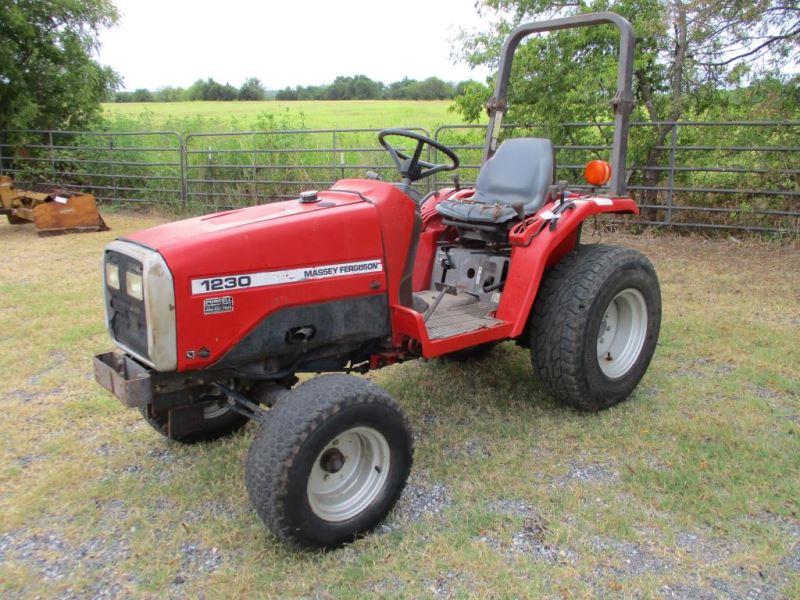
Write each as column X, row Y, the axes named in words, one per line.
column 740, row 175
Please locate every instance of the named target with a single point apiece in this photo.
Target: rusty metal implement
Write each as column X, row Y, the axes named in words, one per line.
column 53, row 210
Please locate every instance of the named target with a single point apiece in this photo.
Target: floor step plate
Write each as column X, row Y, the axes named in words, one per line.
column 454, row 320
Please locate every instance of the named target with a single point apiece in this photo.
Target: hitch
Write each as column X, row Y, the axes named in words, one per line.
column 241, row 404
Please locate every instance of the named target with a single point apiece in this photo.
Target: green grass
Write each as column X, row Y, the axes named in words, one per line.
column 709, row 446
column 317, row 114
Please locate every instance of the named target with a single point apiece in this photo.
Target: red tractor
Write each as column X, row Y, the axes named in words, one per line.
column 215, row 316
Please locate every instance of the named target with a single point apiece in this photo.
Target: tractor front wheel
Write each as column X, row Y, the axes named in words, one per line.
column 218, row 421
column 204, row 422
column 595, row 325
column 329, row 461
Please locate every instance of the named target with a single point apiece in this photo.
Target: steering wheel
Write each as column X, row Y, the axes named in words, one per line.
column 411, row 167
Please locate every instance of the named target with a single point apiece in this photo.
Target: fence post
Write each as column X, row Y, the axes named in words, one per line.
column 3, row 142
column 209, row 175
column 333, row 158
column 254, row 198
column 671, row 183
column 183, row 171
column 113, row 168
column 52, row 157
column 429, row 183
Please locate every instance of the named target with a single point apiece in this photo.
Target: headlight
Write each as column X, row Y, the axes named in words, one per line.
column 133, row 285
column 141, row 321
column 112, row 275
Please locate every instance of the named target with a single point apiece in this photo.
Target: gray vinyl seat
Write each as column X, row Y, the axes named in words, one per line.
column 519, row 174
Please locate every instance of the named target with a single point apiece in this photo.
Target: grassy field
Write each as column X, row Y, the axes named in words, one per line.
column 688, row 490
column 318, row 114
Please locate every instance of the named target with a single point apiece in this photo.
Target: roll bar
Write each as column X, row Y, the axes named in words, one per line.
column 622, row 101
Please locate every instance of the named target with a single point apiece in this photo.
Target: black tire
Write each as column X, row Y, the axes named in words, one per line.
column 565, row 324
column 296, row 431
column 474, row 353
column 222, row 424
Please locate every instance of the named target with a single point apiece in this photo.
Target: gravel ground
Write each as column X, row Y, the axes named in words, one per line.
column 420, row 500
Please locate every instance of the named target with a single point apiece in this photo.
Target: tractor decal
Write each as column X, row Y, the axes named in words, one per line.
column 266, row 278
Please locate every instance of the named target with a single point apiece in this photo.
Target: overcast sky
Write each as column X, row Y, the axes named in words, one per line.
column 286, row 42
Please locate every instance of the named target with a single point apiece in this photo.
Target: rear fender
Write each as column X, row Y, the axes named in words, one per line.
column 537, row 244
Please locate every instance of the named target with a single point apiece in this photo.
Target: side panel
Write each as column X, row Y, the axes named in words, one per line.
column 331, row 328
column 291, row 261
column 396, row 214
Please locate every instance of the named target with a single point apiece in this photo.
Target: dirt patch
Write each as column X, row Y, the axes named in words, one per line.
column 627, row 559
column 53, row 558
column 704, row 367
column 420, row 500
column 473, row 449
column 702, row 547
column 530, row 540
column 518, row 508
column 196, row 559
column 587, row 473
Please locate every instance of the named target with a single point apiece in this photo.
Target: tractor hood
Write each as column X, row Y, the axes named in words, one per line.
column 232, row 270
column 202, row 230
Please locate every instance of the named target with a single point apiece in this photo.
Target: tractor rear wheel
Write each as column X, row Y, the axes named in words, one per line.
column 595, row 325
column 329, row 461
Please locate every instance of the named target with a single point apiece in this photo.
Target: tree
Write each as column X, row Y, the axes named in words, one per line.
column 687, row 53
column 252, row 89
column 286, row 93
column 358, row 87
column 432, row 88
column 169, row 94
column 48, row 77
column 211, row 90
column 141, row 95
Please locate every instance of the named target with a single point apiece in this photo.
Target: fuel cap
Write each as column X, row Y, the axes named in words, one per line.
column 309, row 196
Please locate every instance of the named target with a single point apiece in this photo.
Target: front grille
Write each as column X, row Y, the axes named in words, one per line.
column 127, row 317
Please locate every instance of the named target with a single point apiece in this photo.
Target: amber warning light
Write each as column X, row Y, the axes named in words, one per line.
column 598, row 172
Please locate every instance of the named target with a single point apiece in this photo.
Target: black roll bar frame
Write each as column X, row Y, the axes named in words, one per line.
column 622, row 102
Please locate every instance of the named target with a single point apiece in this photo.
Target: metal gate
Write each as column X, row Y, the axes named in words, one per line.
column 739, row 175
column 140, row 167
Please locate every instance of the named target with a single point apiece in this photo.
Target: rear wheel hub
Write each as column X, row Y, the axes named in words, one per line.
column 621, row 336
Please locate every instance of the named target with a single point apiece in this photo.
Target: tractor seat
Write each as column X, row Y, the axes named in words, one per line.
column 519, row 175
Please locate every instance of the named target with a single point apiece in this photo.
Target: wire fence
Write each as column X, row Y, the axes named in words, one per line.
column 722, row 175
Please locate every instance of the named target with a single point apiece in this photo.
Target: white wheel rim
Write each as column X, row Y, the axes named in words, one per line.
column 348, row 474
column 622, row 332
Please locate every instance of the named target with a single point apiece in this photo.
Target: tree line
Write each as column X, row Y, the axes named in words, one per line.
column 361, row 87
column 202, row 89
column 356, row 87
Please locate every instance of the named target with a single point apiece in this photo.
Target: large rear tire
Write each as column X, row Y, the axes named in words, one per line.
column 329, row 461
column 595, row 325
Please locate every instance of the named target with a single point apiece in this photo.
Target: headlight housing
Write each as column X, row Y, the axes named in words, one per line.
column 140, row 304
